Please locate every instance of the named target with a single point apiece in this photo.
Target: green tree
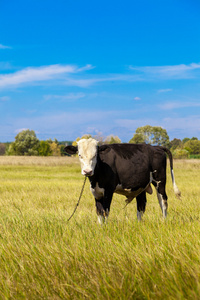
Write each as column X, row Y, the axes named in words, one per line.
column 55, row 149
column 160, row 136
column 143, row 134
column 180, row 153
column 185, row 140
column 138, row 138
column 193, row 146
column 62, row 151
column 2, row 149
column 26, row 143
column 85, row 136
column 99, row 138
column 153, row 135
column 44, row 148
column 112, row 139
column 175, row 143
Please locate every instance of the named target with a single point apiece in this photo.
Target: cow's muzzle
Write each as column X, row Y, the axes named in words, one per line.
column 87, row 172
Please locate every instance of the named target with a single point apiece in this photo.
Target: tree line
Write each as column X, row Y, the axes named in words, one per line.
column 185, row 148
column 155, row 135
column 27, row 143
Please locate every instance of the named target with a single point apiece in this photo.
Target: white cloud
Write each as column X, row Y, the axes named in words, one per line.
column 5, row 66
column 65, row 73
column 178, row 127
column 66, row 125
column 86, row 68
column 70, row 75
column 97, row 79
column 81, row 82
column 4, row 98
column 68, row 97
column 177, row 105
column 19, row 130
column 137, row 98
column 4, row 47
column 70, row 125
column 135, row 123
column 183, row 126
column 167, row 72
column 164, row 91
column 32, row 75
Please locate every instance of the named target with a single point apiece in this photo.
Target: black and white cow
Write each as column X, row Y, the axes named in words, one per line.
column 126, row 169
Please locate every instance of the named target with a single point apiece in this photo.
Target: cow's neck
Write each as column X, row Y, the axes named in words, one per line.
column 97, row 177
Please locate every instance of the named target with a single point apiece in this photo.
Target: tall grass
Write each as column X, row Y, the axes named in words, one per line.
column 45, row 257
column 38, row 160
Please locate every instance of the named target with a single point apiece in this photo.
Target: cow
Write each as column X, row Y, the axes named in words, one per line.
column 126, row 169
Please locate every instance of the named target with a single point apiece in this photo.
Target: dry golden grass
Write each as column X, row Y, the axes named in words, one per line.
column 38, row 160
column 45, row 257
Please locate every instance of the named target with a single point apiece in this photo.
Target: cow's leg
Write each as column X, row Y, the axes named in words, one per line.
column 163, row 203
column 141, row 205
column 159, row 179
column 103, row 207
column 101, row 212
column 162, row 198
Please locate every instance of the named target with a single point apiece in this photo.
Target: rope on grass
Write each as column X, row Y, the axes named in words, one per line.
column 77, row 204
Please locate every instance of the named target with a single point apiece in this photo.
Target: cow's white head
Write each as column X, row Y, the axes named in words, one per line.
column 87, row 152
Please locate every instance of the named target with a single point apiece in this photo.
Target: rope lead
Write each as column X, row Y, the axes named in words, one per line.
column 77, row 204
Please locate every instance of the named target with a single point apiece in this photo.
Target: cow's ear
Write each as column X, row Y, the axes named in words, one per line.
column 104, row 149
column 71, row 149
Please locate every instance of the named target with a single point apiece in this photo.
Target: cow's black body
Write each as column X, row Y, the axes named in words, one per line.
column 128, row 169
column 128, row 165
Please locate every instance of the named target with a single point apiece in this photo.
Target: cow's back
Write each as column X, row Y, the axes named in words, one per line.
column 130, row 162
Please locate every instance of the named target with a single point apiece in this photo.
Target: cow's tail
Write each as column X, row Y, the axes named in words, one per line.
column 176, row 190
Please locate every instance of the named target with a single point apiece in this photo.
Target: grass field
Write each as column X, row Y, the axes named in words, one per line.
column 42, row 256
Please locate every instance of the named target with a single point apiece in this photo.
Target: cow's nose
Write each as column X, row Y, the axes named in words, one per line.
column 87, row 172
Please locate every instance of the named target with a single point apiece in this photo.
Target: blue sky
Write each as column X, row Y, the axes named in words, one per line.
column 69, row 67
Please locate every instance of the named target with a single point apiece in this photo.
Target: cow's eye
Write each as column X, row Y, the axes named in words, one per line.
column 80, row 156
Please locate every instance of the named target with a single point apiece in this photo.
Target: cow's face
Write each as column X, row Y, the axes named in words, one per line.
column 87, row 152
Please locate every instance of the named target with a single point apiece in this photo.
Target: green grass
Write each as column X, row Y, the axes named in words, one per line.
column 42, row 256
